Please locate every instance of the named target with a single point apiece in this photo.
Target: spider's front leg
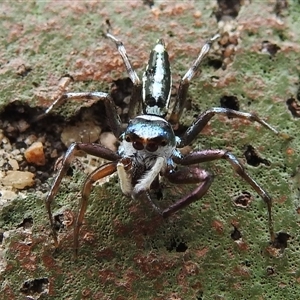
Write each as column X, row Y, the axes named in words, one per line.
column 204, row 118
column 110, row 108
column 210, row 155
column 93, row 149
column 99, row 173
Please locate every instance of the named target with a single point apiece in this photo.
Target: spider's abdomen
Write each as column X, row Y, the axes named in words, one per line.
column 157, row 82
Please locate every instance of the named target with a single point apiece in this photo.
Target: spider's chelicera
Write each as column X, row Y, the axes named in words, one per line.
column 149, row 147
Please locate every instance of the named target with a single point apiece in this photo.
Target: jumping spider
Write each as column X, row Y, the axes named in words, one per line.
column 148, row 147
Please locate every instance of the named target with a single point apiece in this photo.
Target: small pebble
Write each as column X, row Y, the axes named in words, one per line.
column 35, row 154
column 30, row 139
column 108, row 140
column 14, row 164
column 23, row 125
column 85, row 132
column 18, row 179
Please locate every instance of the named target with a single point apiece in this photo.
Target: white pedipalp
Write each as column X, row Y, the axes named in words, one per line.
column 125, row 179
column 145, row 182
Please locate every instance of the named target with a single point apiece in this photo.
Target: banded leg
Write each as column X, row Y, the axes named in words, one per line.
column 187, row 78
column 96, row 175
column 210, row 155
column 134, row 105
column 204, row 118
column 190, row 175
column 93, row 149
column 113, row 117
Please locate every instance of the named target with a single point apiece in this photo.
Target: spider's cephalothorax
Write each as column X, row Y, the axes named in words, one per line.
column 148, row 147
column 149, row 143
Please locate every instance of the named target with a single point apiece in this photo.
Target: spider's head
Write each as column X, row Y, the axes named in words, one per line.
column 148, row 135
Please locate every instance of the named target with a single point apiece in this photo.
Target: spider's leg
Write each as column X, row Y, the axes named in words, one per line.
column 209, row 155
column 187, row 78
column 121, row 49
column 192, row 132
column 188, row 175
column 113, row 117
column 96, row 175
column 93, row 149
column 134, row 105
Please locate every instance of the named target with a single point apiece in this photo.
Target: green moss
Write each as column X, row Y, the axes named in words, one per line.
column 131, row 252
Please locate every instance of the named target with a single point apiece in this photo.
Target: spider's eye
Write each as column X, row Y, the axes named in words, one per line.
column 138, row 145
column 163, row 143
column 151, row 147
column 127, row 138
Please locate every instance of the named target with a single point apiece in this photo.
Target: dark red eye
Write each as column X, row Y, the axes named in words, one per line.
column 138, row 145
column 127, row 138
column 163, row 143
column 151, row 147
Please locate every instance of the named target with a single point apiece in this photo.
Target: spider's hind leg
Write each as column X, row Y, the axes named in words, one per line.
column 202, row 120
column 215, row 154
column 188, row 175
column 110, row 108
column 186, row 80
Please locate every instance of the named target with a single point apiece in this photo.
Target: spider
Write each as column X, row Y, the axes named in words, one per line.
column 149, row 148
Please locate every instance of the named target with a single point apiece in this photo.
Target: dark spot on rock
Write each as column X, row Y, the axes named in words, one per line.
column 281, row 240
column 293, row 106
column 231, row 102
column 20, row 145
column 270, row 271
column 253, row 158
column 269, row 48
column 70, row 171
column 298, row 92
column 7, row 167
column 247, row 263
column 36, row 286
column 150, row 3
column 27, row 223
column 59, row 222
column 235, row 234
column 243, row 200
column 215, row 63
column 107, row 22
column 159, row 194
column 280, row 7
column 67, row 76
column 228, row 9
column 170, row 33
column 121, row 88
column 23, row 70
column 178, row 246
column 200, row 295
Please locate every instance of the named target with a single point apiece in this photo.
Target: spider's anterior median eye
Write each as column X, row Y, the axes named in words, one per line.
column 138, row 145
column 151, row 147
column 163, row 143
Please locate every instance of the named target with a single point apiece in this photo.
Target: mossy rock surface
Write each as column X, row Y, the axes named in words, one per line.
column 126, row 250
